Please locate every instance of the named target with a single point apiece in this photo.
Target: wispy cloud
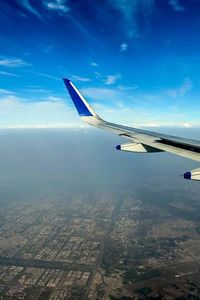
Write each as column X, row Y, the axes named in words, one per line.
column 55, row 99
column 6, row 92
column 123, row 47
column 8, row 74
column 181, row 90
column 107, row 104
column 49, row 49
column 111, row 79
column 12, row 63
column 127, row 88
column 135, row 107
column 48, row 76
column 98, row 75
column 79, row 78
column 57, row 112
column 175, row 4
column 102, row 93
column 147, row 125
column 113, row 96
column 28, row 6
column 59, row 6
column 129, row 10
column 36, row 90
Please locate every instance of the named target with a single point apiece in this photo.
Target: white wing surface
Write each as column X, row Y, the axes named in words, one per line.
column 139, row 140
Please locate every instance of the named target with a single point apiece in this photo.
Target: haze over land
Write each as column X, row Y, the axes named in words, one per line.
column 56, row 161
column 81, row 220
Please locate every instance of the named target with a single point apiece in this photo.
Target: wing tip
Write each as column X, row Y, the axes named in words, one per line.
column 66, row 80
column 80, row 103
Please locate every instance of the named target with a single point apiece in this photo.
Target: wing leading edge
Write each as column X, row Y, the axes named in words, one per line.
column 141, row 140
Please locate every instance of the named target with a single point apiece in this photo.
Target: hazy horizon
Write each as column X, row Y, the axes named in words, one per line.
column 59, row 161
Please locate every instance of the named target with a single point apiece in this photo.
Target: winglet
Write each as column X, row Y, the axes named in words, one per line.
column 83, row 108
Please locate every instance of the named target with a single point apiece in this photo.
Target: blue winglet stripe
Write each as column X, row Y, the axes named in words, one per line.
column 79, row 104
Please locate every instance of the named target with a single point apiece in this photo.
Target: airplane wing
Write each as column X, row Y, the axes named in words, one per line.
column 140, row 140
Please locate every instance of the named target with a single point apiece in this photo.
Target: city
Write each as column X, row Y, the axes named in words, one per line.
column 99, row 247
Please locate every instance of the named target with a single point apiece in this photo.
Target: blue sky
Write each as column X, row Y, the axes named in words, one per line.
column 136, row 61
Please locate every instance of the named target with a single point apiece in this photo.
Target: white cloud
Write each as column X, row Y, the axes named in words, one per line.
column 54, row 112
column 12, row 63
column 102, row 93
column 124, row 106
column 111, row 79
column 8, row 74
column 82, row 29
column 112, row 96
column 79, row 78
column 6, row 92
column 186, row 86
column 36, row 90
column 50, row 112
column 98, row 75
column 175, row 4
column 163, row 124
column 127, row 88
column 123, row 47
column 57, row 5
column 138, row 118
column 94, row 64
column 26, row 4
column 181, row 90
column 129, row 10
column 186, row 125
column 137, row 108
column 48, row 76
column 152, row 125
column 54, row 99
